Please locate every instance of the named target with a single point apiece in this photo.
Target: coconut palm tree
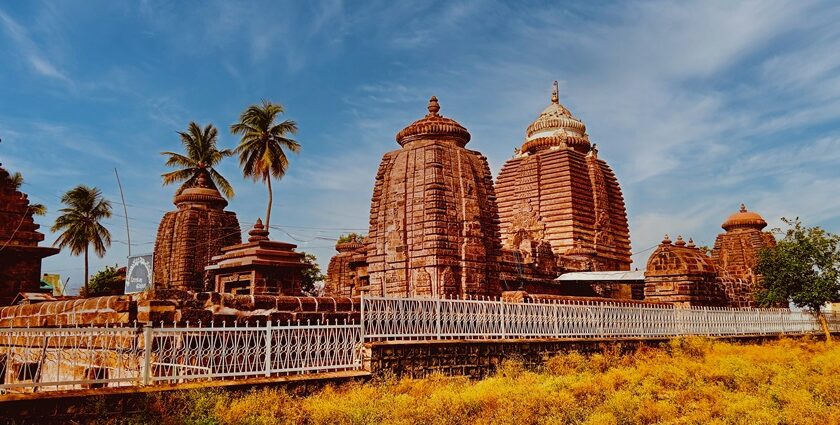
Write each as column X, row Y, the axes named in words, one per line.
column 261, row 147
column 80, row 225
column 202, row 156
column 17, row 181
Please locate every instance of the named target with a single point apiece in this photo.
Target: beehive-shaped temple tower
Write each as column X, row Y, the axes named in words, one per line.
column 735, row 252
column 188, row 238
column 557, row 190
column 20, row 255
column 433, row 218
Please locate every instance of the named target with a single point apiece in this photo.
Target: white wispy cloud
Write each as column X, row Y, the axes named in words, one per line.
column 30, row 51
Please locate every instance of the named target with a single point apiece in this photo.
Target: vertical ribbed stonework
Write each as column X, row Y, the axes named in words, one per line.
column 188, row 238
column 20, row 255
column 433, row 224
column 735, row 255
column 557, row 190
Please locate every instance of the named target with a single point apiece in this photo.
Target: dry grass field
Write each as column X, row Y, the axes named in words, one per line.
column 690, row 381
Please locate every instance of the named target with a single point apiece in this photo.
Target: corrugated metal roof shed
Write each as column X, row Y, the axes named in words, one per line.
column 634, row 275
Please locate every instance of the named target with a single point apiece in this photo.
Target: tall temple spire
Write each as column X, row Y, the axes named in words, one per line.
column 555, row 93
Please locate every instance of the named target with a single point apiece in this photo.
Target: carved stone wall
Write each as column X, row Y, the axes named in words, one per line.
column 257, row 267
column 735, row 255
column 682, row 274
column 433, row 221
column 187, row 239
column 347, row 271
column 179, row 307
column 20, row 255
column 557, row 190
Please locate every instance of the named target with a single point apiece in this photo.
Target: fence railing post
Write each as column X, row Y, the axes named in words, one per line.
column 362, row 317
column 503, row 319
column 147, row 354
column 601, row 320
column 268, row 353
column 438, row 330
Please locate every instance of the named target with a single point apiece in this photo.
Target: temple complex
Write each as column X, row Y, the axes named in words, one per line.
column 556, row 192
column 433, row 220
column 20, row 255
column 187, row 239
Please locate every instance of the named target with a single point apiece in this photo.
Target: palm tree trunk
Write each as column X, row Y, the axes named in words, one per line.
column 270, row 200
column 87, row 293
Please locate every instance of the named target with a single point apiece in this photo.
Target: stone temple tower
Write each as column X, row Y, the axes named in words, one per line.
column 187, row 239
column 736, row 251
column 20, row 255
column 556, row 190
column 433, row 219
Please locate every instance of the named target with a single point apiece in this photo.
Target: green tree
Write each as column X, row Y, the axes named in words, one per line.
column 109, row 281
column 803, row 268
column 311, row 275
column 260, row 149
column 17, row 181
column 80, row 223
column 202, row 156
column 351, row 237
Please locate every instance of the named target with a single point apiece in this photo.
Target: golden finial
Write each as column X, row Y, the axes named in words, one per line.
column 555, row 93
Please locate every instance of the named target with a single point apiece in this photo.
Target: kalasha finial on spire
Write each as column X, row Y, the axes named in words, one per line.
column 666, row 240
column 258, row 233
column 555, row 93
column 680, row 241
column 434, row 106
column 743, row 208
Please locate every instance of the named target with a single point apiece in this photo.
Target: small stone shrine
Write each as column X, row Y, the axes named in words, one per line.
column 257, row 267
column 682, row 274
column 433, row 219
column 20, row 255
column 187, row 239
column 556, row 191
column 347, row 271
column 735, row 252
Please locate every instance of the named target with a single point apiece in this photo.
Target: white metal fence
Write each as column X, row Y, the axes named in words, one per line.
column 423, row 318
column 41, row 359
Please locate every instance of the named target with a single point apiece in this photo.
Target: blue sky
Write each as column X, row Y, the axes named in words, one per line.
column 696, row 106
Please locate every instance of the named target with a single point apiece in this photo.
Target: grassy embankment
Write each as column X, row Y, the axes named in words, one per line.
column 691, row 381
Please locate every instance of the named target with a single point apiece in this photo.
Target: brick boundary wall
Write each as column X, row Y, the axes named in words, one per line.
column 480, row 358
